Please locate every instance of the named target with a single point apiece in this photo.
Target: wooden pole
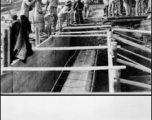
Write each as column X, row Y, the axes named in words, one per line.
column 116, row 73
column 60, row 25
column 110, row 63
column 132, row 43
column 6, row 48
column 37, row 35
column 138, row 84
column 139, row 67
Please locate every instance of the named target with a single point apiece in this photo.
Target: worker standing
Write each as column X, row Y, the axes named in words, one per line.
column 78, row 8
column 65, row 10
column 52, row 6
column 86, row 8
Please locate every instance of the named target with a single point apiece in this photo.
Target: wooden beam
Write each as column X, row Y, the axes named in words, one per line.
column 83, row 32
column 132, row 43
column 92, row 35
column 87, row 27
column 123, row 49
column 134, row 39
column 60, row 68
column 139, row 67
column 128, row 30
column 110, row 63
column 133, row 83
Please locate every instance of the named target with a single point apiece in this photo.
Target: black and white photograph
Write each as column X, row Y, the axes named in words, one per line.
column 76, row 46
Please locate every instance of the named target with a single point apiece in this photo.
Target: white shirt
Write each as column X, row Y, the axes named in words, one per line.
column 62, row 13
column 25, row 8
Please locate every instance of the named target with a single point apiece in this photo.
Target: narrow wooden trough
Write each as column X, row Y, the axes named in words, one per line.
column 81, row 81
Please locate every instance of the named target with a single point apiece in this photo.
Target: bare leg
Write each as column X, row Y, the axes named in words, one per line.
column 125, row 4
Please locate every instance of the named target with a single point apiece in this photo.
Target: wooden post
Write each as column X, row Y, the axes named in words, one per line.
column 37, row 35
column 110, row 63
column 60, row 25
column 68, row 20
column 6, row 48
column 115, row 72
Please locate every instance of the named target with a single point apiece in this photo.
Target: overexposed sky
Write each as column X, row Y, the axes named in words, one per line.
column 76, row 108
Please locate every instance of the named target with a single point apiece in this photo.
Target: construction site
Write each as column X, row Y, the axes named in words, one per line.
column 102, row 55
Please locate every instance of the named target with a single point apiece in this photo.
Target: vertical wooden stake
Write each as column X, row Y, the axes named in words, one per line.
column 110, row 63
column 37, row 35
column 60, row 25
column 50, row 30
column 116, row 73
column 6, row 48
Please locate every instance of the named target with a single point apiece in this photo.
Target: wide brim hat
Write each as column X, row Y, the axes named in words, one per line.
column 68, row 3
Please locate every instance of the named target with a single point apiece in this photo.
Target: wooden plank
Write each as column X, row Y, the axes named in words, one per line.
column 133, row 83
column 131, row 43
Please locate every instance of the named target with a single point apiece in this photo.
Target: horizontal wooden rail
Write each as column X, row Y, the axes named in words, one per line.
column 59, row 68
column 86, row 27
column 128, row 30
column 93, row 35
column 123, row 49
column 83, row 32
column 69, row 48
column 133, row 83
column 131, row 43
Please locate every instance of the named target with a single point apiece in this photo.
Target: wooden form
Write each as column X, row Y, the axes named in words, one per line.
column 132, row 43
column 6, row 48
column 60, row 68
column 123, row 49
column 138, row 84
column 139, row 67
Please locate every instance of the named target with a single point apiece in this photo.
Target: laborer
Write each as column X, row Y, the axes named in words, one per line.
column 52, row 6
column 26, row 7
column 138, row 2
column 127, row 7
column 86, row 8
column 149, row 7
column 39, row 15
column 78, row 8
column 66, row 9
column 106, row 5
column 112, row 8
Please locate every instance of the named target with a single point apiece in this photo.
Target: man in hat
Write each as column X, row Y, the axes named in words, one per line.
column 78, row 7
column 66, row 9
column 52, row 6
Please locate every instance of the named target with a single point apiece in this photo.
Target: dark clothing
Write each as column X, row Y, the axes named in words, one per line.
column 20, row 45
column 78, row 7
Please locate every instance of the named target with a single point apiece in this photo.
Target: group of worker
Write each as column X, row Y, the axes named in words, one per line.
column 115, row 7
column 51, row 14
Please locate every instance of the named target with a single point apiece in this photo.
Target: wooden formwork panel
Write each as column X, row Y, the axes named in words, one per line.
column 80, row 81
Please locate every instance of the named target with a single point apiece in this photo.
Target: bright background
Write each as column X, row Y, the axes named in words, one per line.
column 76, row 108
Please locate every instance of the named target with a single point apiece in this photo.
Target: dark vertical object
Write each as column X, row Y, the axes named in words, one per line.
column 6, row 48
